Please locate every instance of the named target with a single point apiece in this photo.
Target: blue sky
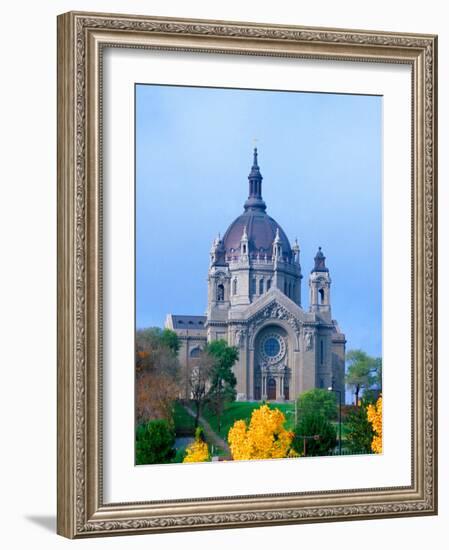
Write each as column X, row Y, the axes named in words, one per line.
column 321, row 159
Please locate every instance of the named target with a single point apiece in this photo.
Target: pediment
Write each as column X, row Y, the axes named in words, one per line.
column 275, row 303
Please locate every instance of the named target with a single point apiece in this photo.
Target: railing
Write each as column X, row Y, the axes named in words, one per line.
column 347, row 452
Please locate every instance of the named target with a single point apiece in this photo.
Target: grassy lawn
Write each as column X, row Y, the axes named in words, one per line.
column 242, row 410
column 184, row 423
column 238, row 410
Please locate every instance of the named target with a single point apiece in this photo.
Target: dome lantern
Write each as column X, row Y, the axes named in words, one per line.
column 255, row 178
column 320, row 261
column 255, row 226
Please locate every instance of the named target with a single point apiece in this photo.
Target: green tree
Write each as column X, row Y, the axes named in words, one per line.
column 170, row 339
column 318, row 401
column 370, row 396
column 155, row 443
column 378, row 373
column 156, row 337
column 363, row 371
column 319, row 432
column 222, row 377
column 359, row 430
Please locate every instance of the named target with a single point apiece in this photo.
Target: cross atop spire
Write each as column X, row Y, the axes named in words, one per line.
column 255, row 200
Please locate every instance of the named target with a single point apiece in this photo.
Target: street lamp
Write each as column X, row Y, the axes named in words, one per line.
column 305, row 438
column 331, row 388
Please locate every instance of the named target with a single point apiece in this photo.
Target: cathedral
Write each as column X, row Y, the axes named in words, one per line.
column 255, row 303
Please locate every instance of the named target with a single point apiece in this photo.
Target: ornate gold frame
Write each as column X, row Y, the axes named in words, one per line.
column 81, row 37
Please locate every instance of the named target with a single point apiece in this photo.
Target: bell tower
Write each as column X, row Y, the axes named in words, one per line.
column 319, row 286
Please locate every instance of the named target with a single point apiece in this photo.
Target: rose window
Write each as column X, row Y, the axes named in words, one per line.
column 272, row 348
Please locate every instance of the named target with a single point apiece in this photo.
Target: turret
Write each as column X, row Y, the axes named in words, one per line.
column 295, row 250
column 319, row 285
column 214, row 250
column 277, row 246
column 244, row 250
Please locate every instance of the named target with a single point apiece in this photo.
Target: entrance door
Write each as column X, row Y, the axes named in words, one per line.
column 271, row 389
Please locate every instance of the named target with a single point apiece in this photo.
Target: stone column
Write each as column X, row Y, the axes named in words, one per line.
column 250, row 369
column 244, row 386
column 264, row 387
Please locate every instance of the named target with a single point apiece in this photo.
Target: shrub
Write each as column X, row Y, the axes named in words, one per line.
column 198, row 451
column 318, row 401
column 180, row 456
column 315, row 424
column 359, row 430
column 374, row 413
column 265, row 437
column 154, row 443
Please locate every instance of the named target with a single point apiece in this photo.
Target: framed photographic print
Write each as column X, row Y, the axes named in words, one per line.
column 246, row 274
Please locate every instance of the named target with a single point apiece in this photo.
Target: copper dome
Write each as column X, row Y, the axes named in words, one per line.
column 260, row 227
column 261, row 230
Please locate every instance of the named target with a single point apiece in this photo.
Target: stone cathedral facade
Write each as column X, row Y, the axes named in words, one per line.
column 255, row 303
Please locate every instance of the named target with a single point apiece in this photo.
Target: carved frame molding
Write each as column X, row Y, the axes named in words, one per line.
column 81, row 38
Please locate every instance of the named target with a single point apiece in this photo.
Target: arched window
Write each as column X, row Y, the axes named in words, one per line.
column 321, row 293
column 321, row 351
column 260, row 286
column 289, row 290
column 195, row 352
column 268, row 284
column 220, row 293
column 234, row 287
column 285, row 287
column 244, row 249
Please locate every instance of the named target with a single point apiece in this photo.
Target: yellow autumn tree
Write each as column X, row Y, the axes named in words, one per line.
column 264, row 437
column 374, row 414
column 198, row 451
